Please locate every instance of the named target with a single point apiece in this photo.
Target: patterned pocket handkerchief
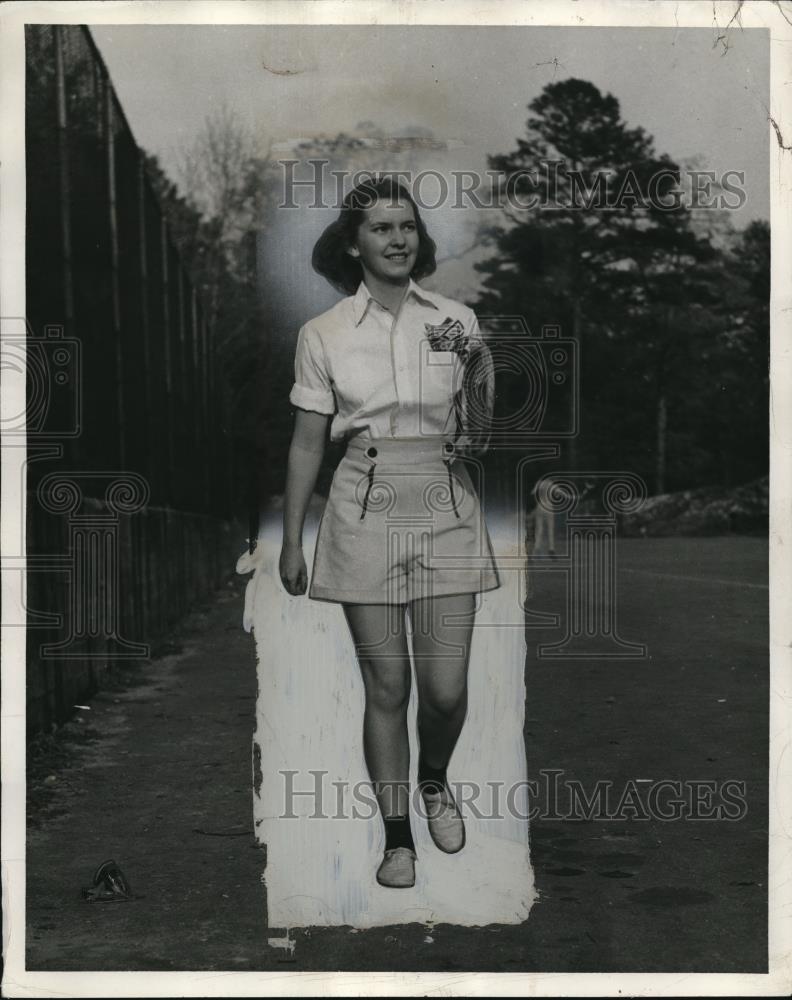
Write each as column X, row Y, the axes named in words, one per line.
column 447, row 336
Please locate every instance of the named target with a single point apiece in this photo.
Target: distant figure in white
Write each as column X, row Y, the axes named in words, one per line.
column 551, row 496
column 544, row 517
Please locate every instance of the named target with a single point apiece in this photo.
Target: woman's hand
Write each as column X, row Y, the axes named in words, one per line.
column 293, row 571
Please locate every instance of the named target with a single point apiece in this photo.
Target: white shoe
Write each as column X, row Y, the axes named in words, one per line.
column 397, row 870
column 444, row 819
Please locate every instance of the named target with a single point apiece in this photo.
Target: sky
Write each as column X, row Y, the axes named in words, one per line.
column 468, row 85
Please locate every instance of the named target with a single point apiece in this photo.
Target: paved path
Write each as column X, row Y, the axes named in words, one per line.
column 158, row 777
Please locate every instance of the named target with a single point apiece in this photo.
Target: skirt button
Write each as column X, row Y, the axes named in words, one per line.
column 371, row 452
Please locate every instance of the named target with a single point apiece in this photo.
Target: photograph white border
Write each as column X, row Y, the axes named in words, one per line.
column 776, row 17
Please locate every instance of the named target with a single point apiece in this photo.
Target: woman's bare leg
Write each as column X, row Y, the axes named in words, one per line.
column 441, row 649
column 379, row 634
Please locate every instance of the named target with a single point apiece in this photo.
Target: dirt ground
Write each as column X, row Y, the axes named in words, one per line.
column 156, row 774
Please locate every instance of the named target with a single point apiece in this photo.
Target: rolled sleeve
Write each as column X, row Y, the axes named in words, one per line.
column 312, row 389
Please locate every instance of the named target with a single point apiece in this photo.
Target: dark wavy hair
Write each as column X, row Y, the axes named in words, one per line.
column 330, row 257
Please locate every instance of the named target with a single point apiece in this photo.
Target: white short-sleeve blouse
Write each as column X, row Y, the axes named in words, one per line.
column 387, row 376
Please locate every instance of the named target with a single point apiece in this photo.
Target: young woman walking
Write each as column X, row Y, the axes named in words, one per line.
column 407, row 380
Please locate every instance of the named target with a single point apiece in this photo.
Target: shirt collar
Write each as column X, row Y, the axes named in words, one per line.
column 362, row 298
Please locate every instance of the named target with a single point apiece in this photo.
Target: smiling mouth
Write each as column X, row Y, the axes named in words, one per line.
column 396, row 256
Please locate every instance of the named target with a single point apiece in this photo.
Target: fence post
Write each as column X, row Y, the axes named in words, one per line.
column 166, row 338
column 70, row 445
column 187, row 456
column 200, row 425
column 63, row 178
column 112, row 219
column 145, row 330
column 211, row 399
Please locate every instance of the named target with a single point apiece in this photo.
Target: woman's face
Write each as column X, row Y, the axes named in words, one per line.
column 387, row 241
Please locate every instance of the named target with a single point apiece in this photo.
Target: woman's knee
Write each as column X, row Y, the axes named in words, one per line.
column 386, row 689
column 447, row 703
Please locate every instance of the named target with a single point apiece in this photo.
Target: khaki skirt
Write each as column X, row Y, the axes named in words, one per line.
column 402, row 522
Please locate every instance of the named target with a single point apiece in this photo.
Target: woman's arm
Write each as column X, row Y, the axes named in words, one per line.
column 305, row 458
